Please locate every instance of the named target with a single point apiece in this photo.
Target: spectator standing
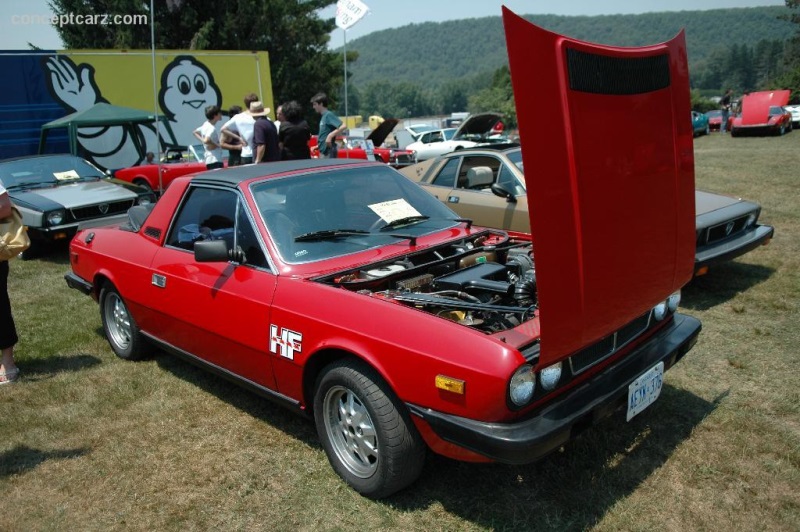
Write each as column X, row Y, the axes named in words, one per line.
column 265, row 135
column 8, row 332
column 329, row 126
column 241, row 127
column 725, row 105
column 230, row 143
column 149, row 158
column 279, row 117
column 294, row 133
column 208, row 134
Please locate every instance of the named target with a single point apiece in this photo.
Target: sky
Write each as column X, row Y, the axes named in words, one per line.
column 24, row 21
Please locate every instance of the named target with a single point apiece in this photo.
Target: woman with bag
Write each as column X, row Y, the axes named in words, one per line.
column 8, row 332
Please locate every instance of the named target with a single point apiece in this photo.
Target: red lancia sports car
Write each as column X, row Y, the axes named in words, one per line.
column 346, row 292
column 763, row 113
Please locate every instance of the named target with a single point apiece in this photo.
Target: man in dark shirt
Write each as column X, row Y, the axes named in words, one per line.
column 265, row 138
column 725, row 104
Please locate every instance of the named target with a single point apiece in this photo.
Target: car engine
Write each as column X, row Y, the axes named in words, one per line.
column 487, row 282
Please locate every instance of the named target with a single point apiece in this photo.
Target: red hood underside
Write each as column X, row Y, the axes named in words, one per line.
column 609, row 166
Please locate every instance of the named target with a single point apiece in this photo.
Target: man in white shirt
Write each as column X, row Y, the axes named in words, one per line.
column 241, row 127
column 208, row 134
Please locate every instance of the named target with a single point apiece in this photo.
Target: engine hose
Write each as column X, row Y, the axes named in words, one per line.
column 525, row 292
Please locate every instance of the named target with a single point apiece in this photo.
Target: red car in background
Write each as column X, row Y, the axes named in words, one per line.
column 176, row 162
column 359, row 147
column 762, row 114
column 715, row 120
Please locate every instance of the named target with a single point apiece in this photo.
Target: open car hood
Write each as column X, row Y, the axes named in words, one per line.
column 477, row 125
column 612, row 207
column 380, row 133
column 755, row 106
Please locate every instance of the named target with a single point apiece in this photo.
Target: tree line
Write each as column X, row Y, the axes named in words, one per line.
column 440, row 68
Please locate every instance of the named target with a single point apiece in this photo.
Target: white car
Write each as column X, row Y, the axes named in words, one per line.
column 476, row 130
column 795, row 110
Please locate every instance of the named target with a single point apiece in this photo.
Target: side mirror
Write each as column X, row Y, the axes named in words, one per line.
column 217, row 251
column 500, row 189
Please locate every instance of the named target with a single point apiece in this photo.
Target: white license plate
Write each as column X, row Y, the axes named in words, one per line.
column 645, row 390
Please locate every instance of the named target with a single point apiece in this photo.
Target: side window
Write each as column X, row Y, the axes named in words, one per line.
column 478, row 173
column 507, row 178
column 206, row 214
column 447, row 175
column 247, row 240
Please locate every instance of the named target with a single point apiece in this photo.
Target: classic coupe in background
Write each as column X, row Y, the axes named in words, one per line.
column 57, row 194
column 700, row 124
column 474, row 131
column 763, row 114
column 176, row 162
column 346, row 292
column 488, row 186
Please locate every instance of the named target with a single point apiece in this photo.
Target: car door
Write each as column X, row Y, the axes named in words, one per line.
column 471, row 193
column 216, row 311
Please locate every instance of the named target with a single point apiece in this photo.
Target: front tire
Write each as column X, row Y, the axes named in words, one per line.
column 367, row 434
column 119, row 326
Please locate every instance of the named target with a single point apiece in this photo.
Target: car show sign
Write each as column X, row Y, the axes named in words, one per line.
column 348, row 12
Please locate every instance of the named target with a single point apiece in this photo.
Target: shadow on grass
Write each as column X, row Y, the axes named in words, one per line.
column 722, row 283
column 40, row 368
column 253, row 404
column 568, row 490
column 571, row 489
column 22, row 458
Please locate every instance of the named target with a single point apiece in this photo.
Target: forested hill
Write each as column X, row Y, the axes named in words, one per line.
column 433, row 53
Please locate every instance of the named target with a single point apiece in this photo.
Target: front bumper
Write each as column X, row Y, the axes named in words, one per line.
column 562, row 419
column 726, row 250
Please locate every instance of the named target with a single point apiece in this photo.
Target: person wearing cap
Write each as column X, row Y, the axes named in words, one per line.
column 329, row 126
column 241, row 126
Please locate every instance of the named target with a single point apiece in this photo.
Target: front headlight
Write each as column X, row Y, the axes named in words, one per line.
column 522, row 385
column 550, row 376
column 660, row 311
column 146, row 200
column 55, row 217
column 673, row 301
column 751, row 219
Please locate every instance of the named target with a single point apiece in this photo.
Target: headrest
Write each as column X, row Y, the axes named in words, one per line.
column 479, row 177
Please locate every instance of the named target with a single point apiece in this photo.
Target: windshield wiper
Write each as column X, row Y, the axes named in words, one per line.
column 30, row 185
column 332, row 234
column 329, row 234
column 407, row 220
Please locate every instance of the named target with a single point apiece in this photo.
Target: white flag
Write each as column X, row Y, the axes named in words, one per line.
column 348, row 12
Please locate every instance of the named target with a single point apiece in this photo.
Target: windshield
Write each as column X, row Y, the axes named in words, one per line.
column 449, row 132
column 775, row 111
column 347, row 210
column 47, row 171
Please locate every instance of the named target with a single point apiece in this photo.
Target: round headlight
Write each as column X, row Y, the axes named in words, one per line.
column 522, row 385
column 550, row 376
column 751, row 219
column 660, row 311
column 145, row 200
column 673, row 301
column 55, row 217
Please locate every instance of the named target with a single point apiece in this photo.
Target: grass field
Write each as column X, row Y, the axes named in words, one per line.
column 90, row 442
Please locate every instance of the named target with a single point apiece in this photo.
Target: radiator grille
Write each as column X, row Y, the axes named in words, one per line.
column 600, row 74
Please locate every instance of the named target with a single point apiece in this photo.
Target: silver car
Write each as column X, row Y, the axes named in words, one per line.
column 57, row 194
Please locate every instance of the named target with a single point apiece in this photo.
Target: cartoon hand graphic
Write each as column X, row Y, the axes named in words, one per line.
column 73, row 85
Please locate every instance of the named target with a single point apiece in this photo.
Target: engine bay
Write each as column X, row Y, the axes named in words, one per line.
column 487, row 281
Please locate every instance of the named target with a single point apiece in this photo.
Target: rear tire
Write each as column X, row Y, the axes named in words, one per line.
column 143, row 183
column 119, row 326
column 365, row 430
